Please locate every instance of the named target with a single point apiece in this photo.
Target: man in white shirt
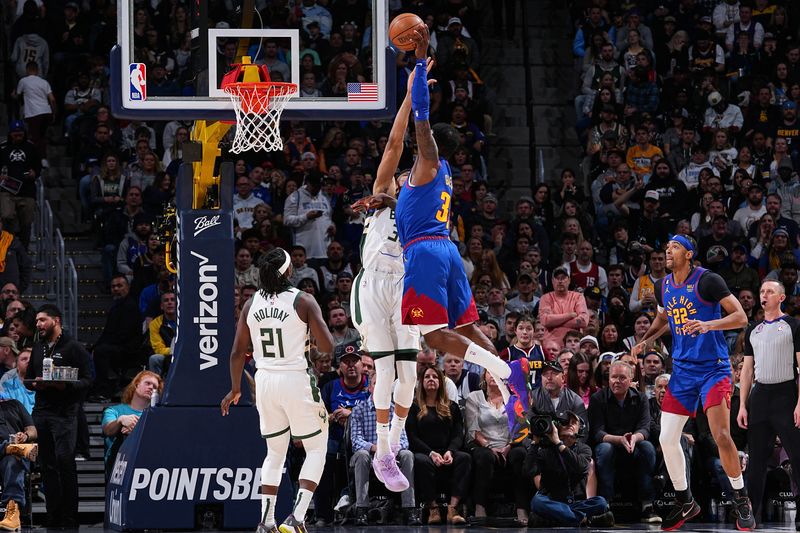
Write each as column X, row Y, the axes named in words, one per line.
column 38, row 105
column 308, row 212
column 690, row 175
column 725, row 15
column 722, row 115
column 244, row 203
column 754, row 210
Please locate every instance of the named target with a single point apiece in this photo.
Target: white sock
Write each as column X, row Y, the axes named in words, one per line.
column 301, row 504
column 489, row 361
column 737, row 482
column 396, row 429
column 383, row 440
column 268, row 509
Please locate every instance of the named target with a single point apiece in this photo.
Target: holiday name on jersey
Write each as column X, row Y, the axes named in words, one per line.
column 270, row 312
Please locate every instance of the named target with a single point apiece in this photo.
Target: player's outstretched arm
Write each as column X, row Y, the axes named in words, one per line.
column 427, row 163
column 659, row 327
column 241, row 344
column 394, row 146
column 308, row 310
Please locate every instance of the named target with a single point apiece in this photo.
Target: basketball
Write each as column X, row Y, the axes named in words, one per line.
column 401, row 30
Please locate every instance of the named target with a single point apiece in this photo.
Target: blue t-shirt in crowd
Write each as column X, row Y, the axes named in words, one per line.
column 112, row 413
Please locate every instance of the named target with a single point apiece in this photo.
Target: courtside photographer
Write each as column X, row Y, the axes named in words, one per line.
column 559, row 464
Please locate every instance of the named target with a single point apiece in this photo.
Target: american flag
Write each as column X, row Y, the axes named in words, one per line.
column 362, row 92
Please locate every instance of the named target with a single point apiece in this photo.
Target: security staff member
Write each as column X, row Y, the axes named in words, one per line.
column 55, row 415
column 772, row 407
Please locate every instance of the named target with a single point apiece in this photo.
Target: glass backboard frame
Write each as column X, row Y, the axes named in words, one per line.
column 217, row 105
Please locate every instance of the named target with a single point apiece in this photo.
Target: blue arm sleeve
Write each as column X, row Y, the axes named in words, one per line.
column 420, row 97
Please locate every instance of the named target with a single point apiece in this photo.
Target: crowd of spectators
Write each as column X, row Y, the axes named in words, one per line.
column 687, row 116
column 688, row 113
column 126, row 170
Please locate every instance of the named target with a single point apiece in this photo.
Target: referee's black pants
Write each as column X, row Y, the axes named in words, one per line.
column 770, row 413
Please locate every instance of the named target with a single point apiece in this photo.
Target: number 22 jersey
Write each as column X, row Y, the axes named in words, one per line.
column 697, row 298
column 279, row 336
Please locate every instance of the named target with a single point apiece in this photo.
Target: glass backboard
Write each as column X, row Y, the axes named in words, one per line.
column 170, row 60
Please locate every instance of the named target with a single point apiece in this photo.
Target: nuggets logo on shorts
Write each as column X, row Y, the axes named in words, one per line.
column 416, row 312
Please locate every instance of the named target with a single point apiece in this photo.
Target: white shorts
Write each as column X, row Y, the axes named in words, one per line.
column 376, row 313
column 289, row 400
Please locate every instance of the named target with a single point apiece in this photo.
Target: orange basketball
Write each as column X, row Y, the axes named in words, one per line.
column 402, row 29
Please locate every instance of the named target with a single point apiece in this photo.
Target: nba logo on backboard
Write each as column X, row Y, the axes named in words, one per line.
column 138, row 82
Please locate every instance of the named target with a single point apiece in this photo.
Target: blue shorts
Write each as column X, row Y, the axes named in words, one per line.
column 704, row 383
column 435, row 288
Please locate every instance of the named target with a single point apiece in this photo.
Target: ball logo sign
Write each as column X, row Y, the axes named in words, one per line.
column 203, row 223
column 138, row 82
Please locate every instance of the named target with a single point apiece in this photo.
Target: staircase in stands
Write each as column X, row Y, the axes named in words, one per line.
column 552, row 74
column 61, row 192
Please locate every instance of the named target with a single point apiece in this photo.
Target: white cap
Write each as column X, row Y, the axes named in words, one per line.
column 590, row 338
column 651, row 195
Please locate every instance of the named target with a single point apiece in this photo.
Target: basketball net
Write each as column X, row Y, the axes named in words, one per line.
column 258, row 105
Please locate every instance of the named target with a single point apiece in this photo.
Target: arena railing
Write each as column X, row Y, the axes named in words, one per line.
column 60, row 274
column 71, row 307
column 43, row 226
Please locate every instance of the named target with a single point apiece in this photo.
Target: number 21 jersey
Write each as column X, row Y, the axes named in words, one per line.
column 424, row 210
column 280, row 338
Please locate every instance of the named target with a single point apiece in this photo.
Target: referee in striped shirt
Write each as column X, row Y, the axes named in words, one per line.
column 771, row 407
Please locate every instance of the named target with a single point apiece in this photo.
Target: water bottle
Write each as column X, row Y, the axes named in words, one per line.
column 713, row 509
column 47, row 368
column 154, row 399
column 4, row 171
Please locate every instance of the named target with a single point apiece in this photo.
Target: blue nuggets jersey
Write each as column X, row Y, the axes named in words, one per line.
column 424, row 211
column 683, row 303
column 535, row 357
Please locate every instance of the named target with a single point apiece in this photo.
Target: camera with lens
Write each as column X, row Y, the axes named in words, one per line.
column 636, row 246
column 542, row 424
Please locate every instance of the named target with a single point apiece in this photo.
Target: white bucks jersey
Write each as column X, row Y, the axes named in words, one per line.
column 280, row 338
column 380, row 246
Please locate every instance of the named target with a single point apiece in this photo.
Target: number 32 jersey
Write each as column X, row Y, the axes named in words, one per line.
column 697, row 298
column 424, row 210
column 280, row 338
